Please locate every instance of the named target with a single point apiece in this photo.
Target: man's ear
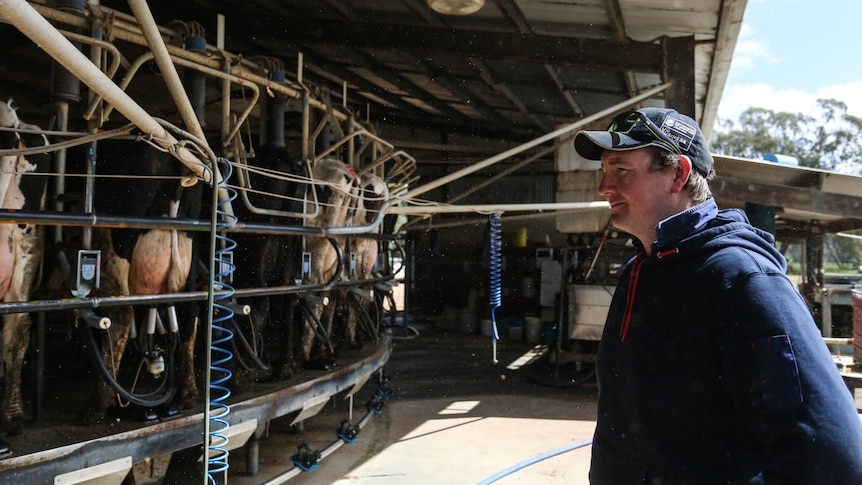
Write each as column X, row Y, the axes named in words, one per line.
column 683, row 172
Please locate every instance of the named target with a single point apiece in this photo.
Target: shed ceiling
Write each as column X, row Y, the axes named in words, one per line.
column 514, row 70
column 458, row 89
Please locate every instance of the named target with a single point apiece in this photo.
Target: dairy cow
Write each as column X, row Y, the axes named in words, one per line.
column 337, row 190
column 263, row 260
column 354, row 302
column 21, row 247
column 138, row 180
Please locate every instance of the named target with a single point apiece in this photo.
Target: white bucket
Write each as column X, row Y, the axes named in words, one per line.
column 533, row 330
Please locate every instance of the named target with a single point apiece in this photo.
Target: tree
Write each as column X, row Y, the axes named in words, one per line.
column 830, row 139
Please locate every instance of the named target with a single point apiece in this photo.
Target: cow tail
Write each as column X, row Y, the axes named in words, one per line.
column 179, row 269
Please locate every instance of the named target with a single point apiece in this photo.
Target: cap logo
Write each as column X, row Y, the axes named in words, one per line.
column 679, row 131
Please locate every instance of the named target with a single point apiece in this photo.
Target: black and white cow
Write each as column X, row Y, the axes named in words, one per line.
column 373, row 194
column 337, row 187
column 138, row 180
column 264, row 260
column 21, row 248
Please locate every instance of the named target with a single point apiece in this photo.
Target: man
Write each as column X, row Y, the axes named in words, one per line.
column 711, row 368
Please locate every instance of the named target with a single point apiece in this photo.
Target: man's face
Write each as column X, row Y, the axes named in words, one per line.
column 639, row 198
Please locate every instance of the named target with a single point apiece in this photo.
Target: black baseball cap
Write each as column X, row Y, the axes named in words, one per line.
column 660, row 127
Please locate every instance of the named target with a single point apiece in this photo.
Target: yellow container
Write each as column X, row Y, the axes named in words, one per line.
column 519, row 237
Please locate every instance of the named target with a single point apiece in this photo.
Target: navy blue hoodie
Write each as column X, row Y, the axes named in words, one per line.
column 712, row 370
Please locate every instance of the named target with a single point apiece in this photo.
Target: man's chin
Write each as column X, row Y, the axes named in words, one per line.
column 618, row 220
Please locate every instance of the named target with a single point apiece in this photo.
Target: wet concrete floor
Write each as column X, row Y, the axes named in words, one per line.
column 452, row 417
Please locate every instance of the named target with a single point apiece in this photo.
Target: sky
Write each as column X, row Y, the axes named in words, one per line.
column 789, row 53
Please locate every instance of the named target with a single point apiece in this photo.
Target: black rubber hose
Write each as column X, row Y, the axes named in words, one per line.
column 138, row 399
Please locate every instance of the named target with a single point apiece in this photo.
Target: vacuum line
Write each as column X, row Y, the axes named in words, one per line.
column 534, row 460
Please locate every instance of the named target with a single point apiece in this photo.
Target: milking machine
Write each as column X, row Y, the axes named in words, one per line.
column 307, row 459
column 155, row 334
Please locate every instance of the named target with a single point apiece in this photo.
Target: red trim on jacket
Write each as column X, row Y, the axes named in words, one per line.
column 630, row 294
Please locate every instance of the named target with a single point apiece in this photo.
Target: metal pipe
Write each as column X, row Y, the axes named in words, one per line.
column 25, row 18
column 227, row 77
column 62, row 115
column 95, row 321
column 275, row 108
column 45, row 218
column 306, row 122
column 292, row 472
column 64, row 88
column 96, row 46
column 125, row 34
column 39, row 344
column 241, row 165
column 500, row 175
column 223, row 66
column 538, row 141
column 167, row 69
column 173, row 298
column 477, row 221
column 488, row 208
column 197, row 82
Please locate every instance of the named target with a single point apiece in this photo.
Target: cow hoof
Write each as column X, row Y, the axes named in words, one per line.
column 5, row 448
column 146, row 414
column 169, row 411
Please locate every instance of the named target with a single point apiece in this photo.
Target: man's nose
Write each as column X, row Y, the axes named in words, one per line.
column 605, row 186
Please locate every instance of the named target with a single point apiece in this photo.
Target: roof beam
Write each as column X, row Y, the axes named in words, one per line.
column 614, row 55
column 516, row 17
column 798, row 198
column 618, row 26
column 486, row 74
column 457, row 89
column 679, row 66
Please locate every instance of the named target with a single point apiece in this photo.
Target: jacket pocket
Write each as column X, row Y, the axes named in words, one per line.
column 776, row 388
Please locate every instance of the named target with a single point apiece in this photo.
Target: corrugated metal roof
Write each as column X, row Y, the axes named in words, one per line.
column 447, row 89
column 512, row 71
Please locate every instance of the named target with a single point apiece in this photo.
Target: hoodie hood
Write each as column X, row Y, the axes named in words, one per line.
column 703, row 228
column 695, row 234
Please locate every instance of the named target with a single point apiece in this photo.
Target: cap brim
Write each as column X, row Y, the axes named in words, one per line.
column 591, row 144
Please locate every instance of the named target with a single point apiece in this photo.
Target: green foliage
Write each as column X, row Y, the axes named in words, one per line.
column 830, row 139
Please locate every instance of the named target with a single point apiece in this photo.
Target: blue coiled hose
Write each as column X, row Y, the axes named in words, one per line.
column 496, row 272
column 218, row 392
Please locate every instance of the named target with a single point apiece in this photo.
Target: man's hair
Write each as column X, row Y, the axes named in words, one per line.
column 697, row 185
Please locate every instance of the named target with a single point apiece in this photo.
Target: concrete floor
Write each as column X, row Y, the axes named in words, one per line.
column 453, row 417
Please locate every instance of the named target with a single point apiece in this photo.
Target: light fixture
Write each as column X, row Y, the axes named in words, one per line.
column 456, row 7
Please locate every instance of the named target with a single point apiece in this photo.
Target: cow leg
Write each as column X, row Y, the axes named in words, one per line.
column 285, row 365
column 181, row 277
column 188, row 391
column 258, row 322
column 26, row 251
column 355, row 307
column 16, row 340
column 114, row 281
column 338, row 315
column 308, row 333
column 113, row 346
